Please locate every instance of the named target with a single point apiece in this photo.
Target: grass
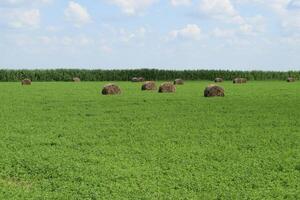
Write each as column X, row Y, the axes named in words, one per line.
column 66, row 141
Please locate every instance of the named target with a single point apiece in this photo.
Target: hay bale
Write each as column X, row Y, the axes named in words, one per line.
column 239, row 80
column 149, row 85
column 214, row 91
column 26, row 82
column 76, row 79
column 178, row 82
column 167, row 88
column 134, row 79
column 111, row 89
column 218, row 80
column 137, row 79
column 141, row 79
column 291, row 79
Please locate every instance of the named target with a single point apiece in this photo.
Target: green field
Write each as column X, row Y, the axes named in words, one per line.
column 66, row 141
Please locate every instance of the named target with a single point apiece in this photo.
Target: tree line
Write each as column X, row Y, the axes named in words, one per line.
column 148, row 74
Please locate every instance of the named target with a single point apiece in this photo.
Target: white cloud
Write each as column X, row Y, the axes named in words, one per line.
column 253, row 26
column 221, row 10
column 191, row 31
column 77, row 14
column 181, row 2
column 24, row 18
column 106, row 49
column 293, row 40
column 65, row 40
column 223, row 33
column 127, row 36
column 288, row 11
column 17, row 3
column 294, row 4
column 132, row 7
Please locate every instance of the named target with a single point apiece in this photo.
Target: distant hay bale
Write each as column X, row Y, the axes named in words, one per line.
column 244, row 80
column 141, row 79
column 218, row 80
column 291, row 79
column 239, row 80
column 214, row 91
column 134, row 79
column 26, row 82
column 149, row 85
column 111, row 89
column 76, row 79
column 167, row 88
column 137, row 79
column 178, row 82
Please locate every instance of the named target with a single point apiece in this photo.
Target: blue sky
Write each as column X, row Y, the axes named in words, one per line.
column 170, row 34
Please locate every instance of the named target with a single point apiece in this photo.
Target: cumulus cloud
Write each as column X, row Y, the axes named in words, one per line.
column 24, row 18
column 17, row 3
column 254, row 26
column 65, row 40
column 181, row 2
column 126, row 36
column 223, row 33
column 77, row 14
column 294, row 4
column 191, row 31
column 132, row 7
column 222, row 10
column 288, row 11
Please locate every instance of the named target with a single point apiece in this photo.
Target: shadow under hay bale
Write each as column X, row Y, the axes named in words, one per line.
column 167, row 88
column 149, row 85
column 239, row 80
column 291, row 79
column 219, row 80
column 111, row 89
column 178, row 82
column 76, row 79
column 214, row 91
column 26, row 82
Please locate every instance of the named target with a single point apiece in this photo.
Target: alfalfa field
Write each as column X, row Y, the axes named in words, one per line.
column 67, row 141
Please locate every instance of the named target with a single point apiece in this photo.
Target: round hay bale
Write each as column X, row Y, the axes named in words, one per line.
column 218, row 80
column 214, row 91
column 141, row 79
column 26, row 82
column 178, row 82
column 134, row 79
column 76, row 79
column 167, row 88
column 291, row 79
column 138, row 79
column 239, row 80
column 111, row 89
column 149, row 85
